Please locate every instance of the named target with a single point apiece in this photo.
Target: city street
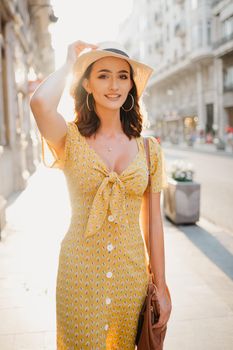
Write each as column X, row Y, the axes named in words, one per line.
column 215, row 174
column 198, row 264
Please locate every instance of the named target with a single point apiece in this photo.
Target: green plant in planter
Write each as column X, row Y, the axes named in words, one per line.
column 181, row 171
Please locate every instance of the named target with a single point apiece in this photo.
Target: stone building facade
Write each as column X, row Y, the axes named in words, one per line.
column 223, row 61
column 25, row 52
column 189, row 44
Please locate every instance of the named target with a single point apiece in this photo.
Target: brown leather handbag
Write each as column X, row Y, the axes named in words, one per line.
column 148, row 337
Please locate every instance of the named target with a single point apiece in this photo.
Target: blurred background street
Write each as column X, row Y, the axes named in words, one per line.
column 189, row 106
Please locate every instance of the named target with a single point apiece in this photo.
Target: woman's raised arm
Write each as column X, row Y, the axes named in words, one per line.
column 45, row 100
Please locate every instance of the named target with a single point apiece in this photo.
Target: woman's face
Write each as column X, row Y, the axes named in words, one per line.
column 109, row 82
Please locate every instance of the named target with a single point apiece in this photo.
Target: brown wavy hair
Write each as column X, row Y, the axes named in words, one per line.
column 88, row 122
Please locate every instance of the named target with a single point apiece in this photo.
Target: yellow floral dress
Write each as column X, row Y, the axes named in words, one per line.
column 102, row 276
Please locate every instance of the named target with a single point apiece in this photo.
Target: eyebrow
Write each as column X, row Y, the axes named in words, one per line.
column 108, row 71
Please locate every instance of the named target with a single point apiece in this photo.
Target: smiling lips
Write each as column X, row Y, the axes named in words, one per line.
column 112, row 97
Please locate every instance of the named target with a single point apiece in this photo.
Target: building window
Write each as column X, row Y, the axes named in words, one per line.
column 227, row 27
column 209, row 32
column 228, row 79
column 209, row 117
column 167, row 32
column 197, row 35
column 158, row 47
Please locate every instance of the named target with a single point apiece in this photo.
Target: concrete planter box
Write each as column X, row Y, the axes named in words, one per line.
column 182, row 201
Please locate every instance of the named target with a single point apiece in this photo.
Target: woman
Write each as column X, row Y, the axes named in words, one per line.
column 102, row 277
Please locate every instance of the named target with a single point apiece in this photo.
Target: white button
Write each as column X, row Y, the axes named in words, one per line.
column 111, row 218
column 108, row 301
column 109, row 274
column 110, row 247
column 106, row 327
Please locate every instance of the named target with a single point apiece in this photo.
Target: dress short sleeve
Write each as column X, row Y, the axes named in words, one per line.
column 158, row 166
column 49, row 156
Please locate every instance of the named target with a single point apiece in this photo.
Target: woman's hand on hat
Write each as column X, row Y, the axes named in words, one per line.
column 75, row 49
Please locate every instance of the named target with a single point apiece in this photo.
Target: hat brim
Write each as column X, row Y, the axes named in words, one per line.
column 142, row 72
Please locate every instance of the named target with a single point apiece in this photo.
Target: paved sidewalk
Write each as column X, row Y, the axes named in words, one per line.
column 199, row 267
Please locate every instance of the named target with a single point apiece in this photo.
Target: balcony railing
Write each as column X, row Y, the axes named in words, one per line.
column 223, row 40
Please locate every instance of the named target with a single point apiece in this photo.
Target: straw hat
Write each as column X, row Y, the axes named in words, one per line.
column 142, row 72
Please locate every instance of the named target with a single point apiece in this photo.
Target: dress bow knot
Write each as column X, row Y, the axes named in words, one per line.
column 113, row 177
column 110, row 195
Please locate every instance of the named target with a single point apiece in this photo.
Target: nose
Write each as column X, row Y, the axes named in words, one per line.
column 113, row 84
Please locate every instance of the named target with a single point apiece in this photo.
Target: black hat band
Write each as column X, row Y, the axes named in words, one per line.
column 117, row 51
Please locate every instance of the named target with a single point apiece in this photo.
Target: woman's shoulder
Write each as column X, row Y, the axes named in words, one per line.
column 72, row 128
column 156, row 151
column 71, row 125
column 73, row 135
column 153, row 143
column 153, row 140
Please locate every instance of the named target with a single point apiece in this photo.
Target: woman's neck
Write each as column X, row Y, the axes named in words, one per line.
column 110, row 123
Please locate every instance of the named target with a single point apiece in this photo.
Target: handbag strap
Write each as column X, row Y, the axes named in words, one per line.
column 147, row 149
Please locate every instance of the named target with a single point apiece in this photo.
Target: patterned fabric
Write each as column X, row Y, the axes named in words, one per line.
column 102, row 276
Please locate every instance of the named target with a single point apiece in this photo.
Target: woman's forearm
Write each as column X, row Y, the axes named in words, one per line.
column 157, row 239
column 49, row 92
column 158, row 255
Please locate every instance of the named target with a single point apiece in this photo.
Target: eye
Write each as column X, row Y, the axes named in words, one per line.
column 102, row 76
column 123, row 76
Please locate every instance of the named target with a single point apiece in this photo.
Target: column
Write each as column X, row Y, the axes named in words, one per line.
column 2, row 122
column 18, row 163
column 11, row 100
column 200, row 99
column 219, row 118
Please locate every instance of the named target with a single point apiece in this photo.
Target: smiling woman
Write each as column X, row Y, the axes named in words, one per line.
column 103, row 269
column 103, row 88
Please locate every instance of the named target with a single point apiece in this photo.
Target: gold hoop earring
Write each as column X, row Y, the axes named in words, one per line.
column 127, row 110
column 87, row 103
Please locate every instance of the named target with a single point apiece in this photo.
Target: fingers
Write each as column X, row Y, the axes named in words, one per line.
column 165, row 307
column 75, row 48
column 164, row 317
column 160, row 324
column 93, row 46
column 82, row 45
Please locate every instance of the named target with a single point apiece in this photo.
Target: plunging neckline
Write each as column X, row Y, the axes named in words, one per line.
column 100, row 159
